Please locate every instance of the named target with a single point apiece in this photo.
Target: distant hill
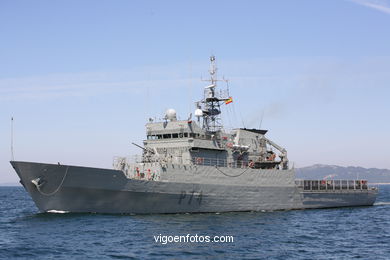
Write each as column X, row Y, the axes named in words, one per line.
column 320, row 171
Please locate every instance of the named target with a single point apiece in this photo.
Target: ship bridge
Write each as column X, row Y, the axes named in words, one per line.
column 182, row 140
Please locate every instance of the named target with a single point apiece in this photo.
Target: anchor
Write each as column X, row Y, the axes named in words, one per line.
column 38, row 182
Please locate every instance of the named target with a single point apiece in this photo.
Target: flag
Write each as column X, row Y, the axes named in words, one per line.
column 229, row 100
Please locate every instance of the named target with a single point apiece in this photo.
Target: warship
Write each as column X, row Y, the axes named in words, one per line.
column 189, row 166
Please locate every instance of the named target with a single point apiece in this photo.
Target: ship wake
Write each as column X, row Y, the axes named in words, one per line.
column 382, row 203
column 53, row 211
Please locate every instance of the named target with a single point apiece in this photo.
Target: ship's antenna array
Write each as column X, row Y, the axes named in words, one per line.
column 209, row 108
column 12, row 139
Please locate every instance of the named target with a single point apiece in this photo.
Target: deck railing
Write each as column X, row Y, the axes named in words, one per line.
column 220, row 162
column 234, row 163
column 328, row 185
column 120, row 162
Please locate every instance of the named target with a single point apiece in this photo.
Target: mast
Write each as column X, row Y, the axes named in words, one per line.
column 210, row 105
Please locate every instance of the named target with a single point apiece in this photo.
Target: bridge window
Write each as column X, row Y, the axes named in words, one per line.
column 175, row 135
column 167, row 136
column 185, row 134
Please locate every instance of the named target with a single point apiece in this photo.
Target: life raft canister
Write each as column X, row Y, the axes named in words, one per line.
column 199, row 160
column 251, row 164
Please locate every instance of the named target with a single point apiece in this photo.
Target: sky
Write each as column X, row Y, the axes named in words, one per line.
column 81, row 78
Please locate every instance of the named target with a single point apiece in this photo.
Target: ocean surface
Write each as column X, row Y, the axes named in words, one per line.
column 343, row 233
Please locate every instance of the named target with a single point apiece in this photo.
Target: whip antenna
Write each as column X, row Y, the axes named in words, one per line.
column 261, row 119
column 12, row 138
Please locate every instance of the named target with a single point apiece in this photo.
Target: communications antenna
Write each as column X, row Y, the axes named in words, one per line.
column 210, row 105
column 12, row 139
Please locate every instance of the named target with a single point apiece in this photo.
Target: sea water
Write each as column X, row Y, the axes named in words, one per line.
column 339, row 233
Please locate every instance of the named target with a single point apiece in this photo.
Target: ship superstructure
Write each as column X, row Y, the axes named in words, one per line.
column 204, row 141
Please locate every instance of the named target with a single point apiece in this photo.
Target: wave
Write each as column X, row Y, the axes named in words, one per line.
column 57, row 211
column 382, row 203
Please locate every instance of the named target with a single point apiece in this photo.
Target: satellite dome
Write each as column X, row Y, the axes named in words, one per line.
column 170, row 114
column 198, row 112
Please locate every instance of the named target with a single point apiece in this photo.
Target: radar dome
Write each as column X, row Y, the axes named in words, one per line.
column 198, row 112
column 170, row 114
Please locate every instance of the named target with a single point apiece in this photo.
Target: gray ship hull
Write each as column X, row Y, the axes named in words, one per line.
column 83, row 189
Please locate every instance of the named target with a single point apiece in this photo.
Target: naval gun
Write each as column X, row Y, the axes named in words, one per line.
column 146, row 150
column 148, row 153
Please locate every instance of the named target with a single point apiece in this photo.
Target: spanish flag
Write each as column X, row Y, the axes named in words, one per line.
column 229, row 100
